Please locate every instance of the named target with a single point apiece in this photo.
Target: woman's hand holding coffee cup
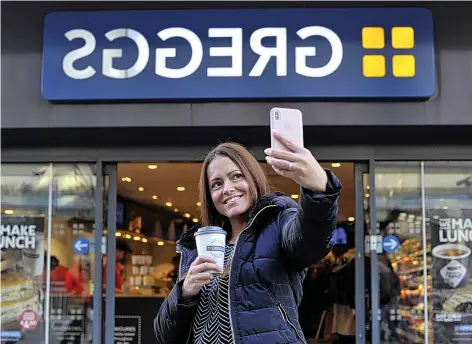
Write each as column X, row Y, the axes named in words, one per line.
column 297, row 164
column 200, row 274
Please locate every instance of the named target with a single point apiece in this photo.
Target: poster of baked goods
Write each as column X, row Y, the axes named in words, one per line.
column 452, row 279
column 22, row 265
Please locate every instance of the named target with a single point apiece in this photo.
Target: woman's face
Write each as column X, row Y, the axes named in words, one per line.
column 228, row 187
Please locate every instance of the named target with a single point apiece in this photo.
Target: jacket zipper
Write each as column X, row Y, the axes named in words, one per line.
column 180, row 263
column 287, row 320
column 231, row 268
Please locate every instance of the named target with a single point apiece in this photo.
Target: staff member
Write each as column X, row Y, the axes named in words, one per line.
column 121, row 252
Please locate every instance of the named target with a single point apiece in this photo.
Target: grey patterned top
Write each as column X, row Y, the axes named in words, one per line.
column 211, row 324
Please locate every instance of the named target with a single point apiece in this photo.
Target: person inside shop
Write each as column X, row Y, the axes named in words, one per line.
column 341, row 291
column 315, row 311
column 390, row 289
column 315, row 301
column 78, row 277
column 121, row 253
column 342, row 261
column 58, row 273
column 388, row 226
column 271, row 241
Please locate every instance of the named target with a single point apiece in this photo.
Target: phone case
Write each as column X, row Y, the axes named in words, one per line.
column 288, row 123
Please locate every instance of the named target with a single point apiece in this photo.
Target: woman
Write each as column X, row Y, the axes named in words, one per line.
column 271, row 241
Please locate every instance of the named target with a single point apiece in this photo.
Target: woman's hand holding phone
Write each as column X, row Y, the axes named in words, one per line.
column 298, row 164
column 200, row 274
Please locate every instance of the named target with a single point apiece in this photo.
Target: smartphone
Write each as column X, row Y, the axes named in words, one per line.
column 288, row 123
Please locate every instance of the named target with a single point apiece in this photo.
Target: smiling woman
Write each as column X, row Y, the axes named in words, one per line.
column 230, row 182
column 269, row 239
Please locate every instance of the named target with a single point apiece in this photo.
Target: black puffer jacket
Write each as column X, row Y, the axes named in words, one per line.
column 270, row 259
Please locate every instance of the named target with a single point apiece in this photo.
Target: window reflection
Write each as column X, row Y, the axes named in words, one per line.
column 31, row 193
column 442, row 193
column 401, row 266
column 72, row 233
column 24, row 207
column 448, row 204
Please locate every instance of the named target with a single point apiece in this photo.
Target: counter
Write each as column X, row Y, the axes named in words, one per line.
column 134, row 318
column 72, row 317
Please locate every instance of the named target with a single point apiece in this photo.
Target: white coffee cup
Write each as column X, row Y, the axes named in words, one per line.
column 211, row 242
column 33, row 258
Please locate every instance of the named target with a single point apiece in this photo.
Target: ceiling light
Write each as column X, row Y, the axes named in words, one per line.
column 160, row 243
column 187, row 215
column 336, row 164
column 144, row 240
column 9, row 211
column 180, row 188
column 176, row 210
column 118, row 234
column 351, row 219
column 137, row 238
column 141, row 188
column 126, row 179
column 154, row 197
column 367, row 195
column 152, row 167
column 445, row 207
column 368, row 187
column 127, row 236
column 199, row 204
column 195, row 220
column 294, row 196
column 168, row 204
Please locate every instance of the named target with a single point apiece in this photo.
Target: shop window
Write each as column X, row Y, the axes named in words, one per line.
column 448, row 208
column 403, row 263
column 426, row 207
column 24, row 207
column 46, row 236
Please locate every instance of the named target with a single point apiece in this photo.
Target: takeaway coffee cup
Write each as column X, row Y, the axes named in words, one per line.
column 211, row 242
column 33, row 258
column 450, row 265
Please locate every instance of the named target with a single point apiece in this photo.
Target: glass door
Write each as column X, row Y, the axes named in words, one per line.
column 400, row 261
column 107, row 263
column 103, row 250
column 362, row 264
column 378, row 285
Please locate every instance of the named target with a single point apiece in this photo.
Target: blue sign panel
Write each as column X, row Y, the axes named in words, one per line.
column 390, row 243
column 81, row 245
column 239, row 54
column 14, row 335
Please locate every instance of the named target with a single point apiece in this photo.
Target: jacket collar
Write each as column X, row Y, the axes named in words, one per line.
column 276, row 201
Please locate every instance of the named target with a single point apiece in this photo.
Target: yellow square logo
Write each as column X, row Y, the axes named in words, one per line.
column 373, row 66
column 403, row 37
column 403, row 66
column 373, row 38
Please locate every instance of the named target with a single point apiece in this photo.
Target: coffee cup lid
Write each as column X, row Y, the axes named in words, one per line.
column 210, row 229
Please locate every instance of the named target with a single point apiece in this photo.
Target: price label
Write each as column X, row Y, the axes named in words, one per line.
column 29, row 320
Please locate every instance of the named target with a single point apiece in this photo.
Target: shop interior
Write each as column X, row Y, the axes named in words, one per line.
column 156, row 202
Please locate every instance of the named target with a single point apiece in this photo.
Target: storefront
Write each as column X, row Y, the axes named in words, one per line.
column 79, row 100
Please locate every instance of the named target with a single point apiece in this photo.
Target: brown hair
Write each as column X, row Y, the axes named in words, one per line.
column 251, row 169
